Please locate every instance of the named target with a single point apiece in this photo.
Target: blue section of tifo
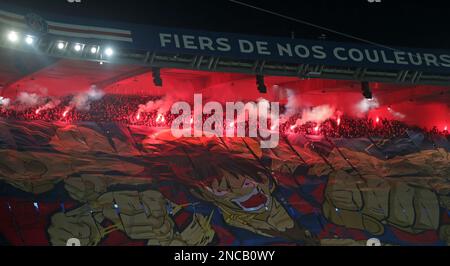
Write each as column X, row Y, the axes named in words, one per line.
column 413, row 142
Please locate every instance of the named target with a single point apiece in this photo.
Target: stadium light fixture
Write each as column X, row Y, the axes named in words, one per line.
column 156, row 73
column 13, row 36
column 77, row 47
column 60, row 45
column 94, row 50
column 109, row 51
column 29, row 40
column 260, row 84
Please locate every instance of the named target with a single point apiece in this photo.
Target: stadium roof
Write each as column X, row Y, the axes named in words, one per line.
column 399, row 23
column 221, row 52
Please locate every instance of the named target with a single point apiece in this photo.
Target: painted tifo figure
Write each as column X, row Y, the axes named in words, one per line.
column 243, row 192
column 153, row 190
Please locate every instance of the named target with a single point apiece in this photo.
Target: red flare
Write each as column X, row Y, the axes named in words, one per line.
column 38, row 111
column 316, row 129
column 66, row 111
column 138, row 116
column 339, row 121
column 377, row 120
column 293, row 127
column 160, row 118
column 192, row 121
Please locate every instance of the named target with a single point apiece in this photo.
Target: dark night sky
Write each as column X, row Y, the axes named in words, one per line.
column 393, row 22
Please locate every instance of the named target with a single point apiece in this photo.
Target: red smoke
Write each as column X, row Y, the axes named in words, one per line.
column 424, row 106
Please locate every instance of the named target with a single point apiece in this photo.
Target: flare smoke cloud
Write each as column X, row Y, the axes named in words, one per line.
column 29, row 99
column 82, row 101
column 317, row 114
column 4, row 102
column 366, row 105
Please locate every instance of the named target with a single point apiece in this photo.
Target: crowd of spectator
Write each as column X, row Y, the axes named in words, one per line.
column 125, row 109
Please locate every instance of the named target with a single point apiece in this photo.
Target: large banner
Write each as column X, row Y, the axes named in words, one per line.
column 290, row 50
column 111, row 184
column 228, row 45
